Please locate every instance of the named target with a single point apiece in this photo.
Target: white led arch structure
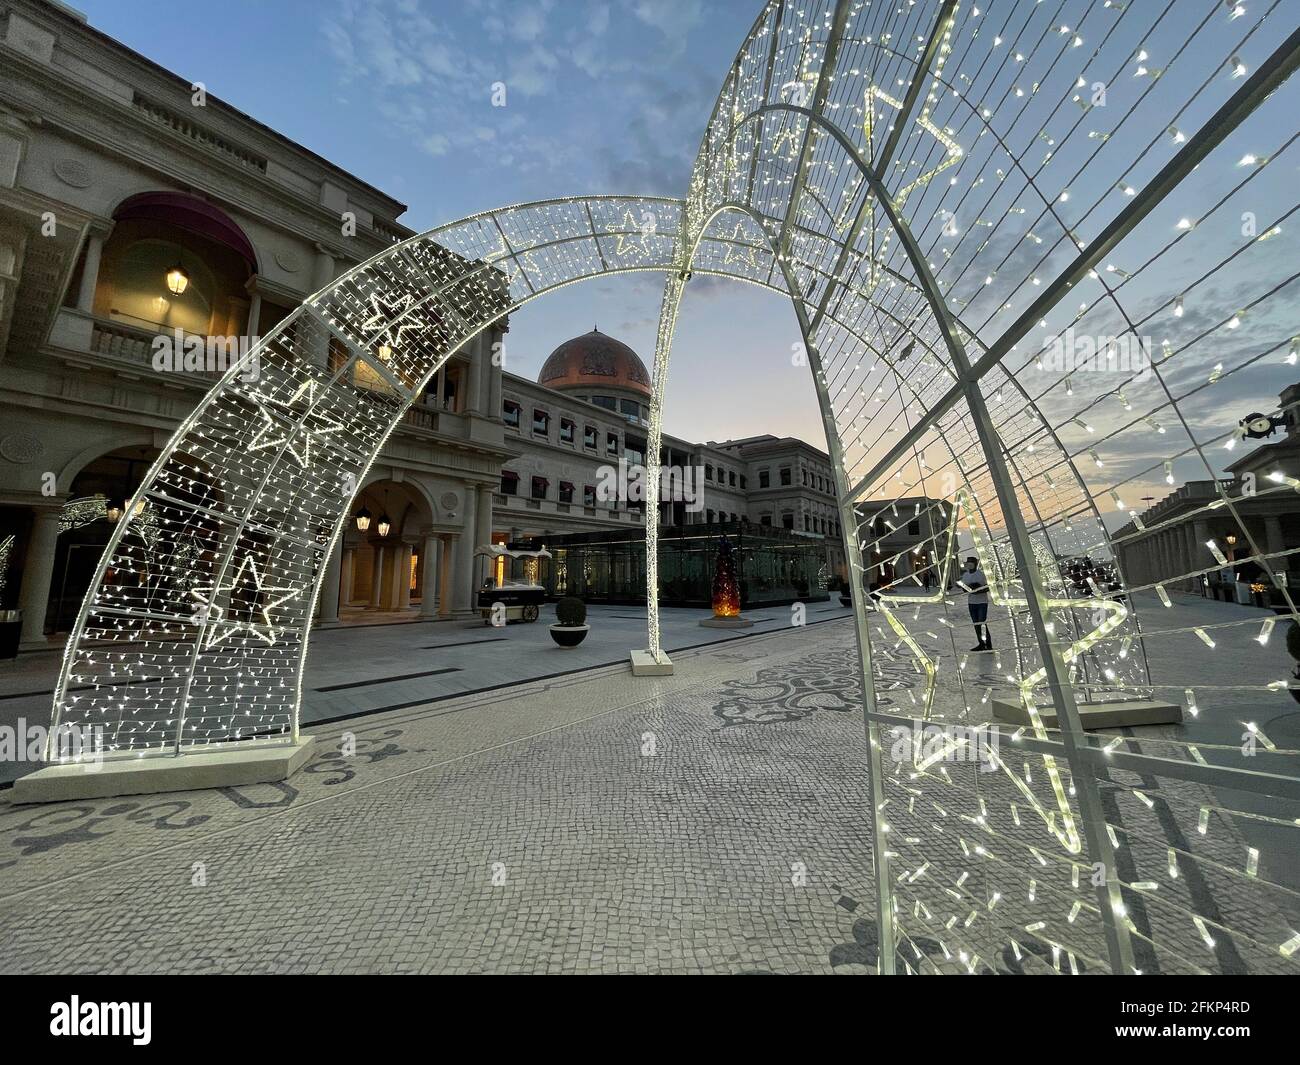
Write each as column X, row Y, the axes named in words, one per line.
column 945, row 196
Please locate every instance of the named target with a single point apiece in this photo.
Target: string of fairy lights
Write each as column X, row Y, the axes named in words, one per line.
column 916, row 176
column 997, row 175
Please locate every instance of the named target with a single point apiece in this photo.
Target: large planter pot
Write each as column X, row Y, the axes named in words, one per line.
column 569, row 635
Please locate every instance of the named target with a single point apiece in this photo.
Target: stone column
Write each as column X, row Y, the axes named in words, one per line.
column 90, row 275
column 254, row 313
column 430, row 554
column 402, row 576
column 445, row 590
column 328, row 601
column 377, row 579
column 495, row 336
column 483, row 518
column 317, row 345
column 1193, row 584
column 38, row 569
column 346, row 589
column 474, row 372
column 1273, row 539
column 463, row 578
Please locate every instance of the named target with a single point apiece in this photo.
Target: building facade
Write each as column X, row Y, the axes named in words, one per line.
column 134, row 207
column 150, row 233
column 1170, row 541
column 588, row 412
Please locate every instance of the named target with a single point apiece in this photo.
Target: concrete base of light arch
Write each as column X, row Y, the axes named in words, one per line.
column 1129, row 714
column 738, row 622
column 233, row 766
column 644, row 664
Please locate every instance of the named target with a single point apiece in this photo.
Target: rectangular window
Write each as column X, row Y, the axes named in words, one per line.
column 708, row 472
column 540, row 484
column 611, row 443
column 588, row 495
column 787, row 521
column 807, row 524
column 566, row 492
column 589, row 437
column 731, row 478
column 744, row 482
column 567, row 429
column 766, row 519
column 785, row 474
column 764, row 480
column 510, row 413
column 541, row 423
column 509, row 483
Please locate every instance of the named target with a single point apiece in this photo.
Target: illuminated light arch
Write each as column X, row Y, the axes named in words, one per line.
column 937, row 283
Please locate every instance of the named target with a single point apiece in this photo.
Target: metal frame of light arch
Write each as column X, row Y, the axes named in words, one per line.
column 1271, row 74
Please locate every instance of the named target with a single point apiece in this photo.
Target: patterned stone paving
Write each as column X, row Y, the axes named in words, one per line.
column 713, row 821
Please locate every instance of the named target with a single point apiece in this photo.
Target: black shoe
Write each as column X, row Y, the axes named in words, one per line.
column 975, row 650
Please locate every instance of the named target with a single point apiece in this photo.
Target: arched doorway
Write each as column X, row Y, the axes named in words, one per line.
column 384, row 553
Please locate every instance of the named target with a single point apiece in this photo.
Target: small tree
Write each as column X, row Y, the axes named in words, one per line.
column 571, row 611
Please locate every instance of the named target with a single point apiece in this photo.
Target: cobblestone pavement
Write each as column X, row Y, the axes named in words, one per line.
column 713, row 821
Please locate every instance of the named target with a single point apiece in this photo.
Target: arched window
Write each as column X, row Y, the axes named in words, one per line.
column 175, row 262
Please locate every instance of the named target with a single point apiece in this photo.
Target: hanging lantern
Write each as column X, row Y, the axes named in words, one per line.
column 177, row 280
column 363, row 519
column 385, row 525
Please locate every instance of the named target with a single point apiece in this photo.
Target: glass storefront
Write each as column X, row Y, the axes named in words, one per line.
column 773, row 566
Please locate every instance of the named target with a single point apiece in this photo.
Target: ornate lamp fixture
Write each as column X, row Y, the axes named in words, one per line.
column 363, row 517
column 178, row 280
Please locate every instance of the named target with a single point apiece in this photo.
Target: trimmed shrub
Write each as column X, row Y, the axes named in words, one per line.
column 570, row 611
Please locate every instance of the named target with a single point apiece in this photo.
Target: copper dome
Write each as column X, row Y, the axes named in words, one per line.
column 595, row 360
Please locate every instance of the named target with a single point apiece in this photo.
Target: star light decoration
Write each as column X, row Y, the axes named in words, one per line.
column 1066, row 231
column 219, row 623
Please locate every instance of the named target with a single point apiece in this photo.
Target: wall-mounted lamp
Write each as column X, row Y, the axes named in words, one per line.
column 177, row 280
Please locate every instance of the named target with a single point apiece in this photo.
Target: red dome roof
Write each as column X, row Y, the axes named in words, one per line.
column 595, row 360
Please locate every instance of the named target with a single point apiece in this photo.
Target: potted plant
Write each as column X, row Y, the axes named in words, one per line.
column 570, row 627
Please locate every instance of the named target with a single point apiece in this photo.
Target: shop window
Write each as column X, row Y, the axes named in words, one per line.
column 510, row 413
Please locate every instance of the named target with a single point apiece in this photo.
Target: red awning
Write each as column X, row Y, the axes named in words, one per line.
column 189, row 212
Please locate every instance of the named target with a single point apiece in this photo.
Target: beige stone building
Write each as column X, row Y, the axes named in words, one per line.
column 150, row 232
column 133, row 207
